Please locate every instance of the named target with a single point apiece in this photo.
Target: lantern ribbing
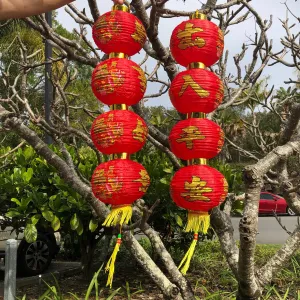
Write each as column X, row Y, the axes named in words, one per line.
column 196, row 44
column 119, row 83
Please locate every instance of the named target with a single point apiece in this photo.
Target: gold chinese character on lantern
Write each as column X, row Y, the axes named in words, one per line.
column 139, row 34
column 189, row 135
column 108, row 131
column 144, row 180
column 107, row 27
column 186, row 37
column 142, row 78
column 221, row 140
column 190, row 82
column 196, row 189
column 140, row 132
column 225, row 184
column 220, row 93
column 220, row 43
column 107, row 183
column 108, row 77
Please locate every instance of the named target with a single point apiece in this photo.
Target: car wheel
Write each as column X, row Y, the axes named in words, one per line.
column 34, row 258
column 290, row 212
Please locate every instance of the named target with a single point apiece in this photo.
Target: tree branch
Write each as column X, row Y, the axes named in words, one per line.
column 280, row 259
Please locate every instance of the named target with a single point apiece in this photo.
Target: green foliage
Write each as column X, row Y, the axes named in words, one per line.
column 233, row 175
column 160, row 171
column 212, row 279
column 162, row 118
column 33, row 194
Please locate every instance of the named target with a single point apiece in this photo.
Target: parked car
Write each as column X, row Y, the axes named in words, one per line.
column 270, row 203
column 33, row 258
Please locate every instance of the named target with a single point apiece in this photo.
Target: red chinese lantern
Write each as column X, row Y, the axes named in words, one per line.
column 197, row 40
column 196, row 90
column 197, row 44
column 119, row 183
column 198, row 188
column 119, row 131
column 118, row 81
column 119, row 31
column 196, row 138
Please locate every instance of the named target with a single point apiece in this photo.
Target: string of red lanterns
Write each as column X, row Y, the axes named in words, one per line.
column 197, row 44
column 119, row 83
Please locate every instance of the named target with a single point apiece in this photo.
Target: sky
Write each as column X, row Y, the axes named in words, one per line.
column 238, row 35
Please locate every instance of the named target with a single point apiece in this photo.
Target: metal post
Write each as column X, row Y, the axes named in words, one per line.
column 48, row 84
column 10, row 270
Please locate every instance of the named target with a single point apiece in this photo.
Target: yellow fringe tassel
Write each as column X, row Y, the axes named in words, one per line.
column 198, row 222
column 110, row 266
column 118, row 215
column 186, row 261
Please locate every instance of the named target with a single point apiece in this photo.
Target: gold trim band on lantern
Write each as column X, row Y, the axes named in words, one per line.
column 120, row 156
column 118, row 55
column 118, row 107
column 198, row 15
column 196, row 115
column 196, row 65
column 197, row 161
column 120, row 7
column 198, row 212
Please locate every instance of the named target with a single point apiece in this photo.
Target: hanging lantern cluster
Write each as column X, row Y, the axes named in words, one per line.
column 119, row 83
column 197, row 44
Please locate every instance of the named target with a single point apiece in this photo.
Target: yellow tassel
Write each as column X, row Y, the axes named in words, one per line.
column 110, row 266
column 198, row 222
column 186, row 261
column 118, row 215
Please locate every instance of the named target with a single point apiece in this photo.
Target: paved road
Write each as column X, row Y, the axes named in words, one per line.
column 270, row 232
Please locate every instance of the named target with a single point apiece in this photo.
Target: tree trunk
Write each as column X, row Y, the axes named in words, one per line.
column 88, row 245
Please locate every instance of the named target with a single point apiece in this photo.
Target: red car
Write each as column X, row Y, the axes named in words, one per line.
column 270, row 203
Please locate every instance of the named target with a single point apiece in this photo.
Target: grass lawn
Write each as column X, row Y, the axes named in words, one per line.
column 209, row 275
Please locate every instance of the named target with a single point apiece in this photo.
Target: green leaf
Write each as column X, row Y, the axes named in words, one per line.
column 64, row 208
column 93, row 225
column 28, row 175
column 164, row 181
column 72, row 202
column 28, row 153
column 25, row 202
column 74, row 296
column 12, row 214
column 55, row 223
column 30, row 233
column 48, row 215
column 16, row 201
column 114, row 293
column 35, row 219
column 74, row 222
column 92, row 283
column 179, row 220
column 169, row 171
column 51, row 202
column 79, row 229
